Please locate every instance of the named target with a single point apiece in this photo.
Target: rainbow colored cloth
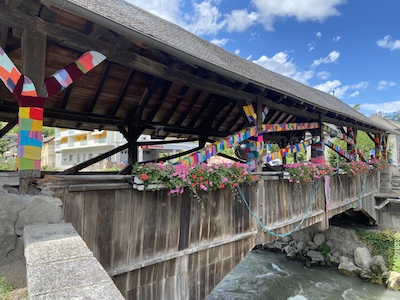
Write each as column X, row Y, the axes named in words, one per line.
column 31, row 106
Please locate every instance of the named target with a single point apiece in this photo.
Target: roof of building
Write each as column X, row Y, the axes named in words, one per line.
column 158, row 79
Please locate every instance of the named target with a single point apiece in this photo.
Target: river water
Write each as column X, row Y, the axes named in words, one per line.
column 270, row 275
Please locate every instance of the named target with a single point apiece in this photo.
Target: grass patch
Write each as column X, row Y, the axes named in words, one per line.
column 5, row 288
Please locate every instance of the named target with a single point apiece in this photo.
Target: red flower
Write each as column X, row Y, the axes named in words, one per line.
column 144, row 177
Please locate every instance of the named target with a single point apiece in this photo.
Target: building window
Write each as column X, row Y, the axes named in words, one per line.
column 78, row 158
column 90, row 155
column 84, row 156
column 70, row 157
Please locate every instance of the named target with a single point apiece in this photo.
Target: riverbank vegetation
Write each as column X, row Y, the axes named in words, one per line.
column 385, row 243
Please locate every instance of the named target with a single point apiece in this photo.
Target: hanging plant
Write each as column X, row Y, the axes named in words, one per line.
column 307, row 173
column 195, row 178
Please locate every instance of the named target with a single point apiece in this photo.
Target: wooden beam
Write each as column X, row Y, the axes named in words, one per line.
column 92, row 103
column 222, row 120
column 121, row 96
column 159, row 102
column 180, row 154
column 136, row 112
column 185, row 130
column 201, row 110
column 33, row 45
column 4, row 34
column 77, row 168
column 178, row 100
column 189, row 108
column 10, row 125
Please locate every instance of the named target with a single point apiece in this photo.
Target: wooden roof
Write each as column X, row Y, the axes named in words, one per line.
column 158, row 78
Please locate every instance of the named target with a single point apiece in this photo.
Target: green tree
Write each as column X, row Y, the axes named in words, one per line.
column 395, row 116
column 3, row 145
column 48, row 131
column 333, row 158
column 365, row 143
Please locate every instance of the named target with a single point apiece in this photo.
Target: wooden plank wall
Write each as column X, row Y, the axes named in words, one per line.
column 285, row 205
column 346, row 192
column 161, row 247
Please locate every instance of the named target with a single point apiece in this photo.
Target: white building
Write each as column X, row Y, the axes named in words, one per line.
column 74, row 146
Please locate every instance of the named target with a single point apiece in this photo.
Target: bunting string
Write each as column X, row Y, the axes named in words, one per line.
column 290, row 150
column 338, row 149
column 213, row 149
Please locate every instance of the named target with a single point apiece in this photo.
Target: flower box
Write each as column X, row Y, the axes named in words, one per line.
column 139, row 185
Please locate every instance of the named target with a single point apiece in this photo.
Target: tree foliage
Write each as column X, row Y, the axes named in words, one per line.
column 395, row 116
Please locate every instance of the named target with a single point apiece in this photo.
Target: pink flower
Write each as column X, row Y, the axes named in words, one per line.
column 203, row 187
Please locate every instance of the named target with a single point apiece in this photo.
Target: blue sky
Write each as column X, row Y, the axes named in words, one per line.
column 349, row 48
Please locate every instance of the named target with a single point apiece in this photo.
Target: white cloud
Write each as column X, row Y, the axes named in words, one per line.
column 323, row 75
column 204, row 19
column 385, row 85
column 166, row 9
column 237, row 51
column 318, row 34
column 240, row 20
column 331, row 87
column 355, row 94
column 282, row 64
column 386, row 107
column 310, row 47
column 331, row 58
column 361, row 85
column 305, row 10
column 219, row 42
column 388, row 43
column 337, row 38
column 335, row 87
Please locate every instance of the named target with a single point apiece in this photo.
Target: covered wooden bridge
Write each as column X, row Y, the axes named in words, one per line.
column 149, row 76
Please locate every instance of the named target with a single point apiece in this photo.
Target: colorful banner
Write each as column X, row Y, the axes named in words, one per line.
column 31, row 105
column 251, row 114
column 289, row 127
column 338, row 149
column 347, row 139
column 336, row 133
column 213, row 149
column 290, row 150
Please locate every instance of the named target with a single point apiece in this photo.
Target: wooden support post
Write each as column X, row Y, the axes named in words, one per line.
column 33, row 45
column 317, row 150
column 33, row 56
column 384, row 146
column 377, row 141
column 352, row 149
column 260, row 193
column 10, row 125
column 133, row 134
